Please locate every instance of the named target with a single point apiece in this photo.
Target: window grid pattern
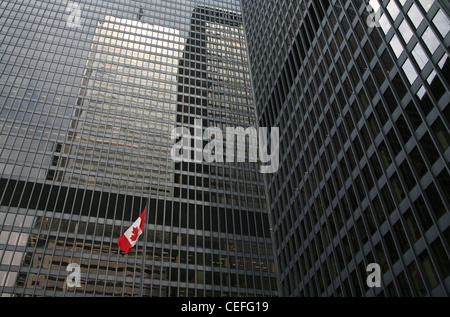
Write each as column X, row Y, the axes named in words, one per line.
column 85, row 124
column 364, row 147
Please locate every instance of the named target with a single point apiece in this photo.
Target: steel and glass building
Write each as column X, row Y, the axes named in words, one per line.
column 361, row 96
column 90, row 93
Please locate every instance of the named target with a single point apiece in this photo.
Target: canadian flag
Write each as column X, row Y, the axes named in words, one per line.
column 129, row 238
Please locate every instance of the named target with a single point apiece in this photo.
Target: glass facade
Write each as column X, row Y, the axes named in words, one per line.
column 361, row 96
column 90, row 92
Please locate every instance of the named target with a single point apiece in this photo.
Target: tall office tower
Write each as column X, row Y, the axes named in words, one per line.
column 361, row 97
column 91, row 92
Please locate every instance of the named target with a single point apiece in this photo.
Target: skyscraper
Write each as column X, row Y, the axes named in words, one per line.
column 361, row 96
column 91, row 92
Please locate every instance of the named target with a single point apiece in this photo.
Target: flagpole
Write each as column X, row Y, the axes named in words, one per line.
column 144, row 249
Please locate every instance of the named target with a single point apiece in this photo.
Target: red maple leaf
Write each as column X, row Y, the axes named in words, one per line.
column 134, row 234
